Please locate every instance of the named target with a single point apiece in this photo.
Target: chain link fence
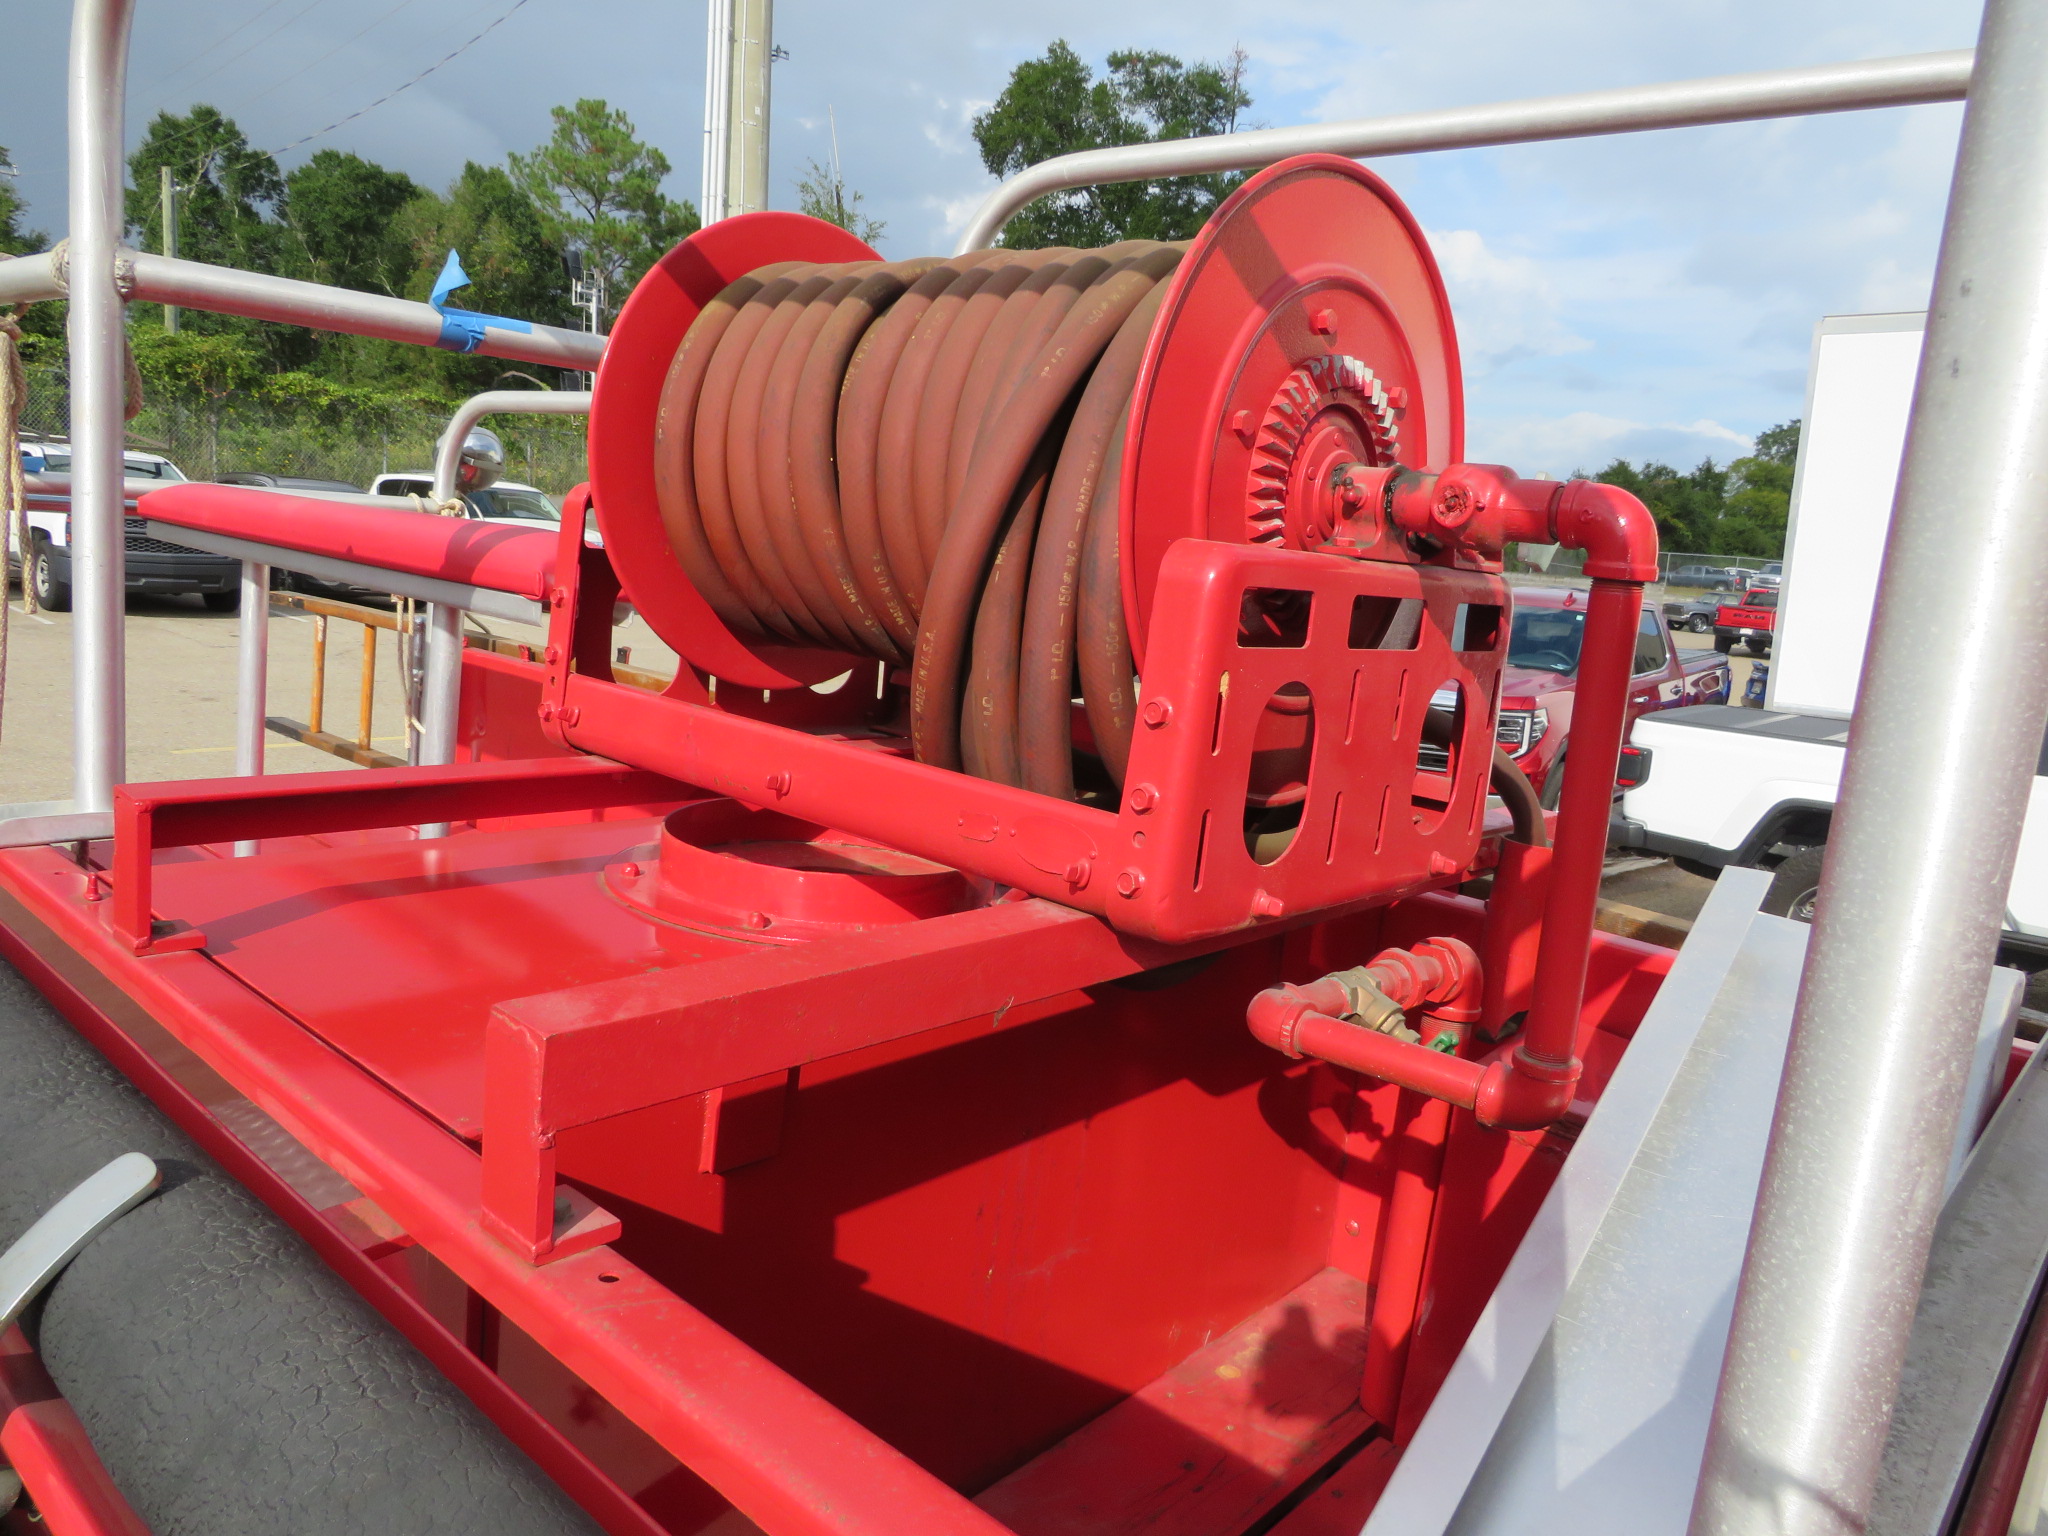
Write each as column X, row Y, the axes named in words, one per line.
column 242, row 436
column 1678, row 569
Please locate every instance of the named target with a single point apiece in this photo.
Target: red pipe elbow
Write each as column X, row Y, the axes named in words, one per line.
column 1524, row 1092
column 1615, row 530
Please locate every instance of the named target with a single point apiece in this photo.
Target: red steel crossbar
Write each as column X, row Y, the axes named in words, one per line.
column 494, row 555
column 588, row 1053
column 195, row 811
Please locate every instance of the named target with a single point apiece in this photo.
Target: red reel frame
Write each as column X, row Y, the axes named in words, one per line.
column 625, row 405
column 1308, row 287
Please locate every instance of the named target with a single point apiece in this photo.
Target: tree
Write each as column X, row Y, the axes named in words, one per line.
column 1687, row 507
column 1054, row 106
column 202, row 369
column 225, row 189
column 822, row 193
column 598, row 189
column 1741, row 509
column 513, row 261
column 15, row 240
column 1760, row 496
column 1779, row 444
column 343, row 211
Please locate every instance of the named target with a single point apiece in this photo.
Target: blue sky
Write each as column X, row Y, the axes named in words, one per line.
column 1646, row 296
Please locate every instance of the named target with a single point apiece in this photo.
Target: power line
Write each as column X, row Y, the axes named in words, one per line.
column 266, row 37
column 219, row 43
column 415, row 80
column 253, row 153
column 283, row 80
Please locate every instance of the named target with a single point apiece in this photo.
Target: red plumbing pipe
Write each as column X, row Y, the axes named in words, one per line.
column 1306, row 1019
column 1482, row 506
column 1535, row 1085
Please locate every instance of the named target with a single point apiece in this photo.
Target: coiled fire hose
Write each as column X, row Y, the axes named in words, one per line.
column 918, row 462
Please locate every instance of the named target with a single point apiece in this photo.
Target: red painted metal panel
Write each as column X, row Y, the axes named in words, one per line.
column 152, row 816
column 396, row 956
column 1339, row 1505
column 493, row 555
column 975, row 1241
column 1217, row 1441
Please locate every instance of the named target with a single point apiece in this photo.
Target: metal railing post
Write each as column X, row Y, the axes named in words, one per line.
column 98, row 84
column 441, row 698
column 1941, row 760
column 252, row 683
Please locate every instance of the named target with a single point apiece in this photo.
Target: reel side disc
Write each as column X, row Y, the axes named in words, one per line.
column 1307, row 328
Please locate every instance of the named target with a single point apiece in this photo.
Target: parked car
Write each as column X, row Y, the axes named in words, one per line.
column 1543, row 668
column 1712, row 578
column 1772, row 575
column 505, row 502
column 288, row 482
column 153, row 565
column 1691, row 613
column 1747, row 622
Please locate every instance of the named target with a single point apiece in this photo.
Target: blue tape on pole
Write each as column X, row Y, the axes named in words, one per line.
column 462, row 330
column 452, row 277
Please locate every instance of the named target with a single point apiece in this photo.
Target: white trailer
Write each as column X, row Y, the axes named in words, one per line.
column 1757, row 787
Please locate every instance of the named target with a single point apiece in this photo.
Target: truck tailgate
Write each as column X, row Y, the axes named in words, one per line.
column 1716, row 770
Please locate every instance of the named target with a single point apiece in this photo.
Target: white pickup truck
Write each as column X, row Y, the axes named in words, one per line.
column 152, row 565
column 1757, row 787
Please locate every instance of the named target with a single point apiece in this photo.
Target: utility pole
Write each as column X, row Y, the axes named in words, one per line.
column 739, row 53
column 167, row 191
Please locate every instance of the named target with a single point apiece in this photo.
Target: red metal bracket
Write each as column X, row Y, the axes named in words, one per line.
column 586, row 1054
column 178, row 815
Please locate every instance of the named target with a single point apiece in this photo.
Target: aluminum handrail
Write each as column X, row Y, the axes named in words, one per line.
column 1943, row 751
column 95, row 331
column 290, row 301
column 1896, row 82
column 29, row 279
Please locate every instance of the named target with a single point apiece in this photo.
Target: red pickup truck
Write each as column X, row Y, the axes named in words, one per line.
column 1543, row 667
column 1749, row 622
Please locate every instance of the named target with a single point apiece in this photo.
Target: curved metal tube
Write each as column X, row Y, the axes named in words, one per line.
column 497, row 402
column 1896, row 82
column 442, row 697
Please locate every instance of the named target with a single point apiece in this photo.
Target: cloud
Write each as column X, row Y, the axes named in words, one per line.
column 1507, row 307
column 1586, row 440
column 1642, row 294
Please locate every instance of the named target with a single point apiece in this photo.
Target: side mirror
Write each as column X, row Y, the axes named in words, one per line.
column 482, row 461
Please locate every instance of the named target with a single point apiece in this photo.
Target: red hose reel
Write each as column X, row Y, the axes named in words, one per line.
column 1291, row 704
